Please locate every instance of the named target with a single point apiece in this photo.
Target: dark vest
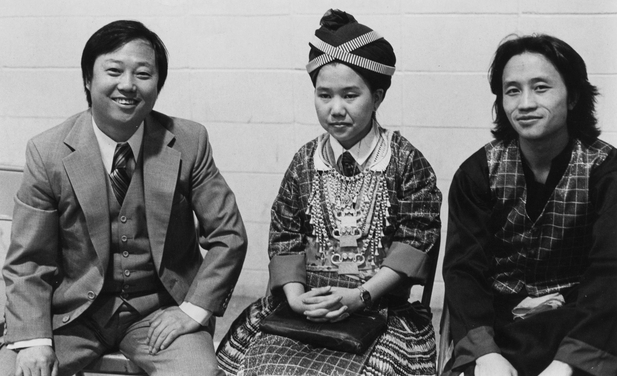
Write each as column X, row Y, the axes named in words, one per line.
column 549, row 254
column 131, row 277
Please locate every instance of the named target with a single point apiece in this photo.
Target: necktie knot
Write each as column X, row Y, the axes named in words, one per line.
column 349, row 166
column 122, row 154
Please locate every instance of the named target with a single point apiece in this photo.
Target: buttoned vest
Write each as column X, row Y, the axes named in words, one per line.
column 131, row 276
column 550, row 253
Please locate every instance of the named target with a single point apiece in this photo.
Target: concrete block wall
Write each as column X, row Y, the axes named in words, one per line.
column 237, row 66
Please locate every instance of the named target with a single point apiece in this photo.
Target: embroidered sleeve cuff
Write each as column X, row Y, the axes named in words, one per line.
column 198, row 314
column 285, row 269
column 478, row 342
column 407, row 260
column 29, row 343
column 581, row 355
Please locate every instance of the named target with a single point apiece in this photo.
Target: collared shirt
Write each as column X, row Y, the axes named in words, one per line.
column 107, row 146
column 361, row 150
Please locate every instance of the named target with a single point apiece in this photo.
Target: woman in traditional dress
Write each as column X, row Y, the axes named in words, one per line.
column 354, row 219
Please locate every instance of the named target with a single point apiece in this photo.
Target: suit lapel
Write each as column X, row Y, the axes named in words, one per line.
column 161, row 165
column 84, row 167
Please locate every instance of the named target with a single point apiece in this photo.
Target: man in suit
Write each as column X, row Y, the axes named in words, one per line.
column 104, row 253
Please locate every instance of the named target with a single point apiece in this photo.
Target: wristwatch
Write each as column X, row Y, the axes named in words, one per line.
column 365, row 296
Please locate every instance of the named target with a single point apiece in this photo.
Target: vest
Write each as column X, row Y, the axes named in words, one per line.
column 131, row 277
column 550, row 254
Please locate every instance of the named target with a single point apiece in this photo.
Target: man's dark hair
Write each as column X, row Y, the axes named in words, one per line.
column 581, row 120
column 113, row 36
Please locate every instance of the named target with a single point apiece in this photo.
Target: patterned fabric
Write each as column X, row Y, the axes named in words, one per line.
column 406, row 348
column 342, row 52
column 526, row 260
column 408, row 345
column 120, row 177
column 415, row 201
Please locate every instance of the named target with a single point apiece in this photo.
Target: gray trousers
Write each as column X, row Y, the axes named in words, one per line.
column 81, row 342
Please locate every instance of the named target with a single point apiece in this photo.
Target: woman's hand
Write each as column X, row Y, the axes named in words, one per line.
column 349, row 298
column 317, row 305
column 494, row 364
column 332, row 303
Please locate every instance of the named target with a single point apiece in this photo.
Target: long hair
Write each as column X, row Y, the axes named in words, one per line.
column 581, row 119
column 112, row 37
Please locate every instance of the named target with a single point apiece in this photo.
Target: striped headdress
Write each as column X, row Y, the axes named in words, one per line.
column 342, row 39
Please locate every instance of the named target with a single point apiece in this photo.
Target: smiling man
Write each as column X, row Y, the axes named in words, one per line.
column 530, row 265
column 104, row 252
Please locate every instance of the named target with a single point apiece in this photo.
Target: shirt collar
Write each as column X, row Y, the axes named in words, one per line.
column 361, row 150
column 107, row 146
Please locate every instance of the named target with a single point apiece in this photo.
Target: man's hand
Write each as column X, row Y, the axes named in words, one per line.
column 167, row 325
column 35, row 361
column 557, row 368
column 494, row 364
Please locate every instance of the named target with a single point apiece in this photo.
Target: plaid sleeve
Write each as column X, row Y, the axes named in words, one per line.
column 416, row 203
column 289, row 222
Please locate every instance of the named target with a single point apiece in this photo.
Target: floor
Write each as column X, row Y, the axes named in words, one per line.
column 238, row 303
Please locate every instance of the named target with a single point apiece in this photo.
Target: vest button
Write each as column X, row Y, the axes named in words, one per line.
column 123, row 219
column 124, row 295
column 125, row 253
column 66, row 319
column 91, row 295
column 125, row 287
column 124, row 238
column 127, row 273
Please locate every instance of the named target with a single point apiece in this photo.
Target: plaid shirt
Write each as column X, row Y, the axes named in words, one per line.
column 548, row 254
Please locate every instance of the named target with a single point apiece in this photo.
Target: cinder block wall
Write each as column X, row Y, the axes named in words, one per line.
column 237, row 66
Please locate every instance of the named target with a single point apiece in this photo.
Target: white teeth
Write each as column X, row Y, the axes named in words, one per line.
column 125, row 101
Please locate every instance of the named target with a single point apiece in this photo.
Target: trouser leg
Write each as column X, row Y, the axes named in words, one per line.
column 190, row 354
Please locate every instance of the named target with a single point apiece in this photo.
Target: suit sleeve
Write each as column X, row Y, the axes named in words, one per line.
column 222, row 233
column 31, row 259
column 467, row 264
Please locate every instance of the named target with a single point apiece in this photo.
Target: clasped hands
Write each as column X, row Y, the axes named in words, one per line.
column 326, row 304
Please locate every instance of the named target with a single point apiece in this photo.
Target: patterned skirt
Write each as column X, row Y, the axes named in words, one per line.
column 406, row 348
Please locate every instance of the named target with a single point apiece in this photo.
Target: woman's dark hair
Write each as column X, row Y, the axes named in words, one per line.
column 338, row 27
column 113, row 36
column 581, row 120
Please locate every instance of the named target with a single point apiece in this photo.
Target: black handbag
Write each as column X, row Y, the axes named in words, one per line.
column 355, row 334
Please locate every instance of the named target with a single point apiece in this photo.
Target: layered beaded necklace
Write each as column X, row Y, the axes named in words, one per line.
column 353, row 210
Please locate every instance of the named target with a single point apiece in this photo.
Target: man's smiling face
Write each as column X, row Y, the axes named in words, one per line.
column 124, row 87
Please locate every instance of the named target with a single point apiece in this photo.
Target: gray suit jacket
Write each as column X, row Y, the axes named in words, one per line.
column 60, row 243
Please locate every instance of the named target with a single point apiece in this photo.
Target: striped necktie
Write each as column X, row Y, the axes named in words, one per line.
column 348, row 164
column 120, row 175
